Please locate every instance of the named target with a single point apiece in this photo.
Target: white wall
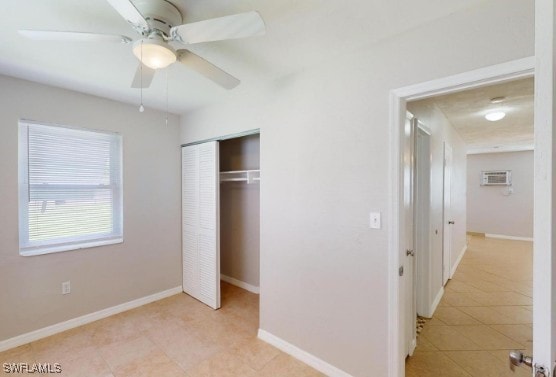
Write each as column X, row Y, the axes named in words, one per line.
column 240, row 212
column 491, row 209
column 442, row 131
column 324, row 163
column 148, row 261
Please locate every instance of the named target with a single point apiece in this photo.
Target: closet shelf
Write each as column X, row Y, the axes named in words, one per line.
column 249, row 176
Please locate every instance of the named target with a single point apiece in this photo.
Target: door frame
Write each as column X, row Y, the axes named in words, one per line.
column 495, row 74
column 408, row 248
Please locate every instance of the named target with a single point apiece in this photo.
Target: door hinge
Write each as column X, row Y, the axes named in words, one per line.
column 400, row 271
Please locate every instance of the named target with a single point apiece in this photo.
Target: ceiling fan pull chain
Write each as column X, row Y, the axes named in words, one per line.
column 141, row 107
column 167, row 69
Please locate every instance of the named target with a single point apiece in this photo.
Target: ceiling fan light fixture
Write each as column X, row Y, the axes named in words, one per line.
column 155, row 53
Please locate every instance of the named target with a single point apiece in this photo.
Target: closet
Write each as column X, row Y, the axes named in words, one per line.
column 221, row 216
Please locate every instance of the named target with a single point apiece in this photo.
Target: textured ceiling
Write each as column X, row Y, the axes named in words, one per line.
column 300, row 33
column 466, row 112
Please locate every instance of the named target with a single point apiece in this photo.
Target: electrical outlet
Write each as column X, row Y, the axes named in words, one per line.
column 66, row 287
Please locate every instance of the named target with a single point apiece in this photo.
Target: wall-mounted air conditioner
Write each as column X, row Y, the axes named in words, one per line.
column 496, row 178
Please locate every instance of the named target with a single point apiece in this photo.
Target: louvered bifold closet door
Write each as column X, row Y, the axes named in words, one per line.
column 201, row 223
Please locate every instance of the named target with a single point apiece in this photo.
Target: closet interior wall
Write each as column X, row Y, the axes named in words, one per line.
column 240, row 212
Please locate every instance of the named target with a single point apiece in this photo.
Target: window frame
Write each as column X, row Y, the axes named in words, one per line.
column 31, row 248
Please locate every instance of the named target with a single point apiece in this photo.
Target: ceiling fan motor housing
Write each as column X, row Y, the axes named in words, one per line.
column 160, row 14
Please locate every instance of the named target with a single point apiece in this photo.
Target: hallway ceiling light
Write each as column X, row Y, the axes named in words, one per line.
column 497, row 99
column 494, row 116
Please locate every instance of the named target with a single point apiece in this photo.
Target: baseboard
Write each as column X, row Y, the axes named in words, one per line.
column 412, row 346
column 239, row 283
column 87, row 318
column 460, row 257
column 309, row 359
column 505, row 237
column 436, row 301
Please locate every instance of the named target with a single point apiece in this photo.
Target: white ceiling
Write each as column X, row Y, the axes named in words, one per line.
column 466, row 112
column 300, row 33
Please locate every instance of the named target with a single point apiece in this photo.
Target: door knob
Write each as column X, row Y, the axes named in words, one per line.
column 517, row 358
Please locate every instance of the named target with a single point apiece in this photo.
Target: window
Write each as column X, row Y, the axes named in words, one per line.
column 70, row 188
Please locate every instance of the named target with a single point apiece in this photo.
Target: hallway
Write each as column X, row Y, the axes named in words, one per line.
column 486, row 311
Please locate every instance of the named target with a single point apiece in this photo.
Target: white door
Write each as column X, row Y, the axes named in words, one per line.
column 201, row 223
column 544, row 264
column 422, row 223
column 410, row 334
column 447, row 215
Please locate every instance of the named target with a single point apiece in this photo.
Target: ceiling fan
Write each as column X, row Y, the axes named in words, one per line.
column 159, row 23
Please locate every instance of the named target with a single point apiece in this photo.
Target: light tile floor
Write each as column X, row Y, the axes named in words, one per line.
column 486, row 311
column 174, row 337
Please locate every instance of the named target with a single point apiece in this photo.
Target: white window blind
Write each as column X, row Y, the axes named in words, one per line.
column 70, row 188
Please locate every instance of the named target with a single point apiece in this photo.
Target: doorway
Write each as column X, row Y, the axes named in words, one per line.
column 240, row 212
column 485, row 308
column 482, row 77
column 221, row 217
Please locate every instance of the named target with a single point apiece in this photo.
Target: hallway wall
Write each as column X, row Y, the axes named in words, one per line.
column 493, row 209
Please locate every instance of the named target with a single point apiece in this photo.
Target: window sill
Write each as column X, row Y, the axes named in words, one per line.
column 68, row 247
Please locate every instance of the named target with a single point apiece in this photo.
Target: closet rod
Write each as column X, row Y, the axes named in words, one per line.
column 240, row 171
column 248, row 176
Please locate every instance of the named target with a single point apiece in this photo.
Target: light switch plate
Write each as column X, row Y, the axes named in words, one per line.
column 66, row 287
column 374, row 220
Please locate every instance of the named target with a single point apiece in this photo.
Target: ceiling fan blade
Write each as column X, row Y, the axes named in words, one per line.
column 229, row 27
column 129, row 12
column 207, row 69
column 46, row 35
column 148, row 75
